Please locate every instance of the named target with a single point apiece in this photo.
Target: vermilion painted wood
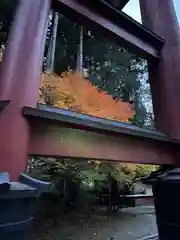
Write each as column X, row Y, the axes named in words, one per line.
column 120, row 4
column 55, row 140
column 95, row 124
column 59, row 133
column 19, row 82
column 3, row 105
column 159, row 16
column 117, row 4
column 114, row 25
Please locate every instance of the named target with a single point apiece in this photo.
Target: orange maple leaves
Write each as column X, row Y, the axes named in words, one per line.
column 74, row 92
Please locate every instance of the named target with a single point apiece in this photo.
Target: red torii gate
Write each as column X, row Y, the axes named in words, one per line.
column 26, row 129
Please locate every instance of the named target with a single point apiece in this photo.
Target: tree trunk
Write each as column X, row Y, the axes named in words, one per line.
column 52, row 45
column 79, row 67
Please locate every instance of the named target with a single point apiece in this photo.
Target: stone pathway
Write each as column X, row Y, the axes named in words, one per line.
column 129, row 224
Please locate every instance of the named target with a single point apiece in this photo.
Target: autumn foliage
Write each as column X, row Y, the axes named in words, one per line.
column 74, row 92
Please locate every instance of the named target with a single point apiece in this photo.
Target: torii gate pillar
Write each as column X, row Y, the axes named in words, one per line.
column 19, row 82
column 159, row 16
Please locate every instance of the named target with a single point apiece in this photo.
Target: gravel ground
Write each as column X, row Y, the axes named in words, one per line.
column 150, row 237
column 128, row 224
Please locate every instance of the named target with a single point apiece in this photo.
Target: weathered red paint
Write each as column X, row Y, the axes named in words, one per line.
column 124, row 31
column 19, row 82
column 159, row 16
column 51, row 139
column 119, row 4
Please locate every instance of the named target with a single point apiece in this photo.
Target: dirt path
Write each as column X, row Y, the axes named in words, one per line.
column 129, row 224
